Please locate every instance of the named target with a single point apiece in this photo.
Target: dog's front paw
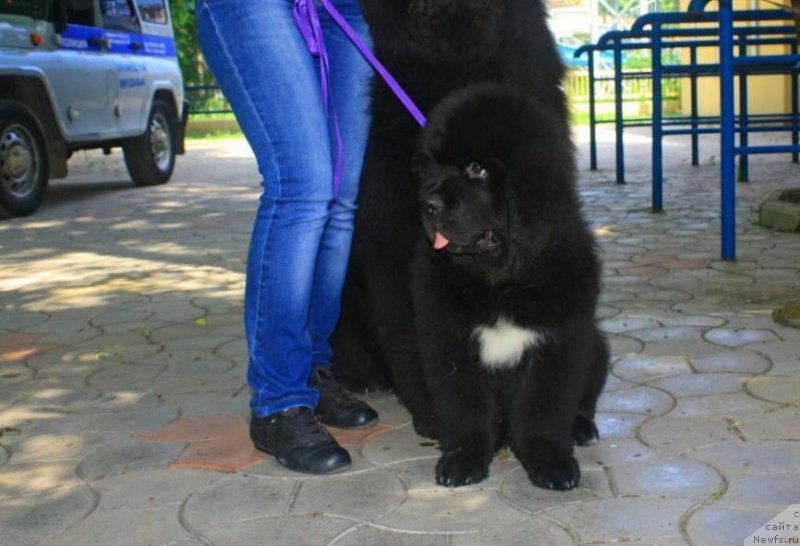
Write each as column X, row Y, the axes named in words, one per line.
column 560, row 474
column 461, row 467
column 584, row 431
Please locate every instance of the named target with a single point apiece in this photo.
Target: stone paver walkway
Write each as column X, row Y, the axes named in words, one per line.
column 123, row 405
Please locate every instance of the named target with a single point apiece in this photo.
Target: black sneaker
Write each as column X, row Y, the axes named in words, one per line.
column 337, row 405
column 298, row 441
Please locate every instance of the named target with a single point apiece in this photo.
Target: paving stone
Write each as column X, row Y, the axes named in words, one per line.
column 517, row 490
column 752, row 458
column 210, row 404
column 46, row 513
column 646, row 368
column 124, row 527
column 66, row 363
column 11, row 540
column 370, row 496
column 642, row 400
column 614, row 384
column 449, row 510
column 236, row 350
column 9, row 396
column 739, row 337
column 622, row 519
column 12, row 373
column 688, row 349
column 151, row 488
column 129, row 314
column 365, row 535
column 128, row 456
column 679, row 477
column 716, row 526
column 135, row 378
column 28, row 478
column 40, row 446
column 317, row 529
column 732, row 362
column 522, row 532
column 623, row 345
column 628, row 324
column 399, row 445
column 668, row 333
column 762, row 491
column 176, row 333
column 720, row 406
column 65, row 331
column 185, row 380
column 618, row 425
column 782, row 389
column 678, row 435
column 682, row 319
column 689, row 385
column 420, row 474
column 614, row 453
column 236, row 499
column 208, row 341
column 780, row 424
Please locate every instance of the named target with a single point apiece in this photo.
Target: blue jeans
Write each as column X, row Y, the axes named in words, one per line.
column 301, row 239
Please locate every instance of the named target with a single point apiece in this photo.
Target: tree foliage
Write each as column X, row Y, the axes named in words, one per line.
column 191, row 59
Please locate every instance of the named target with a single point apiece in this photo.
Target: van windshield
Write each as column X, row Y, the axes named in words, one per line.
column 30, row 8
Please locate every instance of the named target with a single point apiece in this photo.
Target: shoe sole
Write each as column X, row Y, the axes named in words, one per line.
column 285, row 465
column 355, row 427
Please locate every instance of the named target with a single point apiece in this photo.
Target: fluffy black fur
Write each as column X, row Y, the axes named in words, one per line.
column 497, row 195
column 431, row 47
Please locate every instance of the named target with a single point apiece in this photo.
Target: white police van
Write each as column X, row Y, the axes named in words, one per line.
column 78, row 74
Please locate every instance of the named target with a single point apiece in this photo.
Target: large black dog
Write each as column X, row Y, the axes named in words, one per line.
column 505, row 288
column 431, row 47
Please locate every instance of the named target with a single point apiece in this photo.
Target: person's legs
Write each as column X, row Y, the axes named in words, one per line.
column 265, row 70
column 350, row 76
column 301, row 238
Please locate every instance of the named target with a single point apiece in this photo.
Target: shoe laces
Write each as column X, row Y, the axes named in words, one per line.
column 334, row 391
column 302, row 422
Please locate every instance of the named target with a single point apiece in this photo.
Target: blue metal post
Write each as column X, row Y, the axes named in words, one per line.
column 695, row 109
column 795, row 100
column 728, row 139
column 744, row 109
column 592, row 115
column 657, row 114
column 618, row 116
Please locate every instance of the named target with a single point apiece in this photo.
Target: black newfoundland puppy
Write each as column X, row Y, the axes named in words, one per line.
column 431, row 47
column 505, row 288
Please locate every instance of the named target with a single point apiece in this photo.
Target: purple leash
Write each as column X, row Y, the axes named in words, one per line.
column 305, row 15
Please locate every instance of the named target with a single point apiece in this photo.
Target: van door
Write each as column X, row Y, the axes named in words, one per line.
column 127, row 81
column 78, row 72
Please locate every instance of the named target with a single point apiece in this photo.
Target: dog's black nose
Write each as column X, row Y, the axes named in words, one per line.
column 433, row 204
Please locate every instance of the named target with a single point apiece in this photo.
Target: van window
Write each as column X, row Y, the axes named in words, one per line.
column 116, row 8
column 119, row 15
column 30, row 8
column 153, row 11
column 79, row 12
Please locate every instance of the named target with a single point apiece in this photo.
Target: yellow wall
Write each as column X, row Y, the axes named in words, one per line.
column 766, row 93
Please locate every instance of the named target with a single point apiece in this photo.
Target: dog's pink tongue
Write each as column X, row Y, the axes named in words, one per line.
column 440, row 241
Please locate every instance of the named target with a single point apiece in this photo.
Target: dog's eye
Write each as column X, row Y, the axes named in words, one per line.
column 475, row 171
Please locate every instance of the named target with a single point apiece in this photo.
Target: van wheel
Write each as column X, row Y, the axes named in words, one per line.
column 23, row 160
column 150, row 157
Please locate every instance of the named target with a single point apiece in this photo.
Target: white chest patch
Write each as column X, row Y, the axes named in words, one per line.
column 502, row 345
